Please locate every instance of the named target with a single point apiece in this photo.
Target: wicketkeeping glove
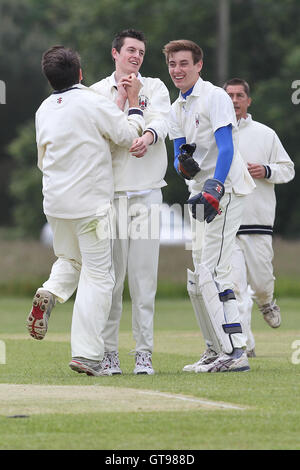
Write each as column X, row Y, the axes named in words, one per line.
column 210, row 196
column 187, row 167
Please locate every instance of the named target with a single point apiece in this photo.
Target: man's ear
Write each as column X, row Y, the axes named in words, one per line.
column 200, row 65
column 114, row 53
column 80, row 75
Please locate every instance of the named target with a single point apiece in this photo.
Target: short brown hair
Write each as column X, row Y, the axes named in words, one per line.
column 183, row 45
column 61, row 67
column 238, row 81
column 127, row 33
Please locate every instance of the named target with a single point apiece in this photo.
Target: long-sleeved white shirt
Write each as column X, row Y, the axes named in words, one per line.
column 260, row 144
column 73, row 132
column 147, row 172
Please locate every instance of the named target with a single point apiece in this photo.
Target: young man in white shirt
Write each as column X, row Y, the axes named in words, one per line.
column 73, row 129
column 269, row 164
column 138, row 179
column 204, row 131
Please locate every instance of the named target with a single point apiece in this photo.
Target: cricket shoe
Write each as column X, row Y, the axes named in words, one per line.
column 236, row 362
column 111, row 363
column 207, row 357
column 271, row 314
column 87, row 366
column 143, row 363
column 251, row 353
column 37, row 321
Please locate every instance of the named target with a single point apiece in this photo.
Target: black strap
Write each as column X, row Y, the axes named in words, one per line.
column 231, row 328
column 255, row 229
column 226, row 295
column 58, row 92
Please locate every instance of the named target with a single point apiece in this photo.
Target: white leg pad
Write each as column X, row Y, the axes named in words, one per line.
column 209, row 310
column 199, row 307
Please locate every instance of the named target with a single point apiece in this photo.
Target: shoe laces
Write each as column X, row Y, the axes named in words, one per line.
column 143, row 358
column 270, row 308
column 208, row 353
column 114, row 358
column 106, row 361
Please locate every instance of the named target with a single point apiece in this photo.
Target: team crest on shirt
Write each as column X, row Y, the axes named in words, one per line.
column 59, row 100
column 143, row 102
column 197, row 119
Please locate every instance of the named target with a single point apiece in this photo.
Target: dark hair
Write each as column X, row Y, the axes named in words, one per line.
column 127, row 33
column 238, row 81
column 183, row 45
column 61, row 67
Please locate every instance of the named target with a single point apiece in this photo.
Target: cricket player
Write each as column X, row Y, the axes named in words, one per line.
column 269, row 164
column 74, row 126
column 204, row 130
column 138, row 179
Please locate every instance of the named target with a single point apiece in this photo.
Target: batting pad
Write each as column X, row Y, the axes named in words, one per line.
column 209, row 310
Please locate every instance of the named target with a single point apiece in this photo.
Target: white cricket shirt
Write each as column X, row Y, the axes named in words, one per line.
column 147, row 172
column 73, row 132
column 197, row 118
column 260, row 144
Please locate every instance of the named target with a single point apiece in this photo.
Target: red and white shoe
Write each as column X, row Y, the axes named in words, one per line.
column 37, row 321
column 143, row 363
column 111, row 363
column 87, row 366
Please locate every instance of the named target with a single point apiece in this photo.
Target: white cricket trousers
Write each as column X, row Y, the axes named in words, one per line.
column 135, row 252
column 252, row 266
column 84, row 251
column 212, row 245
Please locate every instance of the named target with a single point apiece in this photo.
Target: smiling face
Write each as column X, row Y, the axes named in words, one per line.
column 240, row 99
column 182, row 69
column 130, row 57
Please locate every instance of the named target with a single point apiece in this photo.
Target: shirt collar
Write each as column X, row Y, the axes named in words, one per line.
column 194, row 91
column 76, row 85
column 244, row 121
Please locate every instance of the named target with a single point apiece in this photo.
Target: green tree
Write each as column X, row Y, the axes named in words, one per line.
column 26, row 183
column 24, row 35
column 264, row 39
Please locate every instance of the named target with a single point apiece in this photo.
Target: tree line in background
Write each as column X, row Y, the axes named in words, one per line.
column 264, row 49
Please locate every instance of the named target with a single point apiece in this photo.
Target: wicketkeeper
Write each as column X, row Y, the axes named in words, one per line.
column 204, row 131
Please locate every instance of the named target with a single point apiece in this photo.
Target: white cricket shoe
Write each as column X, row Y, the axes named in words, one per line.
column 271, row 314
column 143, row 363
column 111, row 363
column 226, row 363
column 37, row 321
column 207, row 357
column 87, row 366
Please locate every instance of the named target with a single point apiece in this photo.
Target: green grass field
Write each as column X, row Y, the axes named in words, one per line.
column 171, row 410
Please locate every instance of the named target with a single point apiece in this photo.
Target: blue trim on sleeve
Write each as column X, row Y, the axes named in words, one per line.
column 177, row 143
column 135, row 111
column 223, row 137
